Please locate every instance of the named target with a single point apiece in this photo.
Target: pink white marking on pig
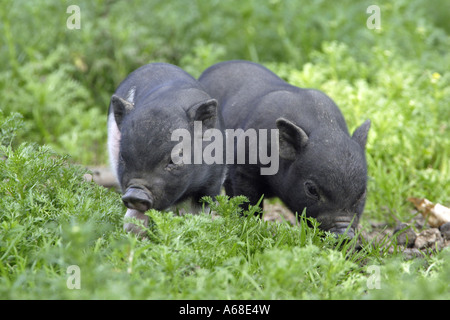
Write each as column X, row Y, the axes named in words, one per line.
column 113, row 144
column 114, row 136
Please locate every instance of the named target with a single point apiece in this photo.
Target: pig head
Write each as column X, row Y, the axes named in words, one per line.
column 328, row 174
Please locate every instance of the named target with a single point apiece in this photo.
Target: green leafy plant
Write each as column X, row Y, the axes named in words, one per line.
column 56, row 85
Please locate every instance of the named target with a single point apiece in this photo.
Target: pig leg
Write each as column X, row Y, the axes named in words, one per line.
column 240, row 181
column 192, row 205
column 213, row 191
column 185, row 207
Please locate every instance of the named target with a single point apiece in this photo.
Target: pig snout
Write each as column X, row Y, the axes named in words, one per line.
column 339, row 225
column 137, row 199
column 343, row 230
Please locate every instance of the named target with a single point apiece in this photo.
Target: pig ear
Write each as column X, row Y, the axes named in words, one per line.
column 205, row 111
column 360, row 134
column 292, row 139
column 121, row 108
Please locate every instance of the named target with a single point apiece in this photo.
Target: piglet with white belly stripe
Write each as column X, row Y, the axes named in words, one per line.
column 146, row 108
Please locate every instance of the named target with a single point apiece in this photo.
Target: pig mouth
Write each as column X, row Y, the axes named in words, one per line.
column 347, row 230
column 131, row 227
column 339, row 226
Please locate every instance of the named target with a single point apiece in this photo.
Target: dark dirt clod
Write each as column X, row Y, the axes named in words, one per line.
column 445, row 230
column 405, row 235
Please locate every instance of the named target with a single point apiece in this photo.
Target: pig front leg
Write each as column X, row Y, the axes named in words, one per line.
column 241, row 181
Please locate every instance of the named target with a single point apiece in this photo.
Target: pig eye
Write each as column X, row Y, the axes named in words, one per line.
column 311, row 190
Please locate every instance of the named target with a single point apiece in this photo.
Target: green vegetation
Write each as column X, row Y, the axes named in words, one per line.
column 56, row 84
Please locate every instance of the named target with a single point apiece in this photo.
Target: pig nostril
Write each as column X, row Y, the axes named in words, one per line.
column 137, row 199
